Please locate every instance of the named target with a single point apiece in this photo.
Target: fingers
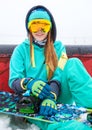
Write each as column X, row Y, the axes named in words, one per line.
column 40, row 94
column 41, row 91
column 47, row 88
column 48, row 108
column 47, row 111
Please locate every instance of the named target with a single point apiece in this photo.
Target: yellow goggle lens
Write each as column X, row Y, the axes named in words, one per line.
column 39, row 24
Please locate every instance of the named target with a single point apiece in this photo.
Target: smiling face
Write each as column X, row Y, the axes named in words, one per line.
column 39, row 28
column 39, row 35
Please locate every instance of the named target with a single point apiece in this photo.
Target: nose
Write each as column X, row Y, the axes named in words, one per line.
column 40, row 30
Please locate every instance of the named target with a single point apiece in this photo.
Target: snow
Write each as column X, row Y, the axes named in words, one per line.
column 8, row 122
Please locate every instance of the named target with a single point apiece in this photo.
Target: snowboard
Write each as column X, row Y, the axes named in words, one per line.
column 66, row 112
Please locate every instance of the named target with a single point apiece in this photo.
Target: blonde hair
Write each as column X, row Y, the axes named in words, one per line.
column 50, row 55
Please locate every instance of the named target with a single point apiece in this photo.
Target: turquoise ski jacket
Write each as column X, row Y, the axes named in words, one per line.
column 21, row 66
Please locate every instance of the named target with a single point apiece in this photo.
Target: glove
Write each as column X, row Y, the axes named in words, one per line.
column 38, row 87
column 48, row 107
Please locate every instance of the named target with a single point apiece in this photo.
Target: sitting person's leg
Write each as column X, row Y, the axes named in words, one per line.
column 76, row 83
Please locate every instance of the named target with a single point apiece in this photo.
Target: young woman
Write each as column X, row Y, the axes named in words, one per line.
column 40, row 65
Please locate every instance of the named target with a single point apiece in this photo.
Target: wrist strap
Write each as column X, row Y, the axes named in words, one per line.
column 24, row 83
column 55, row 96
column 21, row 83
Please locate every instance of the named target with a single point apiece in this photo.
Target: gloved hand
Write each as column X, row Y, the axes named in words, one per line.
column 48, row 107
column 38, row 87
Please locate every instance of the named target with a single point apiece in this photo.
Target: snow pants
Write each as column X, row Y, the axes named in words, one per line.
column 76, row 84
column 76, row 87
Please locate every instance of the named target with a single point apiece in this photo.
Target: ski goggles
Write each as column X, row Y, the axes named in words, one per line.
column 39, row 24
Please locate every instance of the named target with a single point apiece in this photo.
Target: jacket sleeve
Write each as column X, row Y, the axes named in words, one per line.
column 16, row 86
column 16, row 70
column 55, row 87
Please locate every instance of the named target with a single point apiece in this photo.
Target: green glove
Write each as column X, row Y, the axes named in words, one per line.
column 48, row 107
column 38, row 87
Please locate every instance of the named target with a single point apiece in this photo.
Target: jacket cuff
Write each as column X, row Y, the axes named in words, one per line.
column 16, row 86
column 55, row 87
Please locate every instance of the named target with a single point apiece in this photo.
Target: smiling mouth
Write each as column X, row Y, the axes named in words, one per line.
column 39, row 34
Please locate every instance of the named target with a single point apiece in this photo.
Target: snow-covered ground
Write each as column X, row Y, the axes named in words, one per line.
column 11, row 123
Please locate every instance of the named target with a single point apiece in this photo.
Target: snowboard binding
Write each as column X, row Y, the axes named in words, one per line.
column 89, row 117
column 28, row 104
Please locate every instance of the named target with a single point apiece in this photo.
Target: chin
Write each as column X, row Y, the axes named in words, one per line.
column 39, row 39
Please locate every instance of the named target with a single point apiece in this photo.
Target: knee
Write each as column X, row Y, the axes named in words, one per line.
column 74, row 63
column 74, row 60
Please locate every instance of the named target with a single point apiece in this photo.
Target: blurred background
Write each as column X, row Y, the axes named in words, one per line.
column 73, row 19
